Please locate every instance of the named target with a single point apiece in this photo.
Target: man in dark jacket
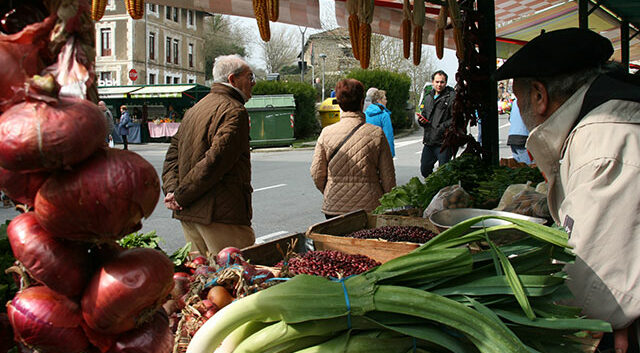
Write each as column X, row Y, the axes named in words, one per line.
column 207, row 170
column 435, row 118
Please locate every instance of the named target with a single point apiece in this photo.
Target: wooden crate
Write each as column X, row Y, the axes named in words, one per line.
column 269, row 253
column 325, row 235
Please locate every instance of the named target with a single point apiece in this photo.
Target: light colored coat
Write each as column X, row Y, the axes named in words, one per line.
column 593, row 172
column 360, row 173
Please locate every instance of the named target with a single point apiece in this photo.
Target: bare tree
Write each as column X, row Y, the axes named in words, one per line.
column 220, row 40
column 282, row 50
column 390, row 58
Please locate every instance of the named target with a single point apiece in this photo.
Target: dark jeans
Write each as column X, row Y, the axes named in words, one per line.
column 431, row 154
column 124, row 141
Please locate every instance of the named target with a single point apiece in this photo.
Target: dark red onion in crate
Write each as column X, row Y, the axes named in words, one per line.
column 22, row 55
column 127, row 290
column 47, row 320
column 63, row 266
column 38, row 135
column 21, row 186
column 153, row 337
column 106, row 196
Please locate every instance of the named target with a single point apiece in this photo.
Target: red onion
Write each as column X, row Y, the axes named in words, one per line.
column 126, row 290
column 39, row 135
column 47, row 320
column 106, row 196
column 61, row 265
column 229, row 256
column 152, row 337
column 22, row 55
column 181, row 282
column 21, row 187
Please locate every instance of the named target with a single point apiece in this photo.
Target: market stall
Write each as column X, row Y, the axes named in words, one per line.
column 156, row 109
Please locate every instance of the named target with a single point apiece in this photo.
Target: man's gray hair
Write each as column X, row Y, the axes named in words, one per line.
column 226, row 65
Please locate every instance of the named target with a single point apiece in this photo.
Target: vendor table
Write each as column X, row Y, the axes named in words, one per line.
column 162, row 129
column 134, row 135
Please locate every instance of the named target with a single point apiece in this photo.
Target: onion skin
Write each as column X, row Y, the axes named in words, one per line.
column 152, row 337
column 229, row 256
column 21, row 55
column 61, row 265
column 47, row 320
column 105, row 196
column 35, row 135
column 21, row 187
column 122, row 293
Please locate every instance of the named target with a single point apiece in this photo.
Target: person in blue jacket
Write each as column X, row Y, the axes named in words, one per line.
column 518, row 134
column 378, row 114
column 123, row 126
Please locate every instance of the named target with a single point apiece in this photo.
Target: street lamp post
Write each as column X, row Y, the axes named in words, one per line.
column 323, row 56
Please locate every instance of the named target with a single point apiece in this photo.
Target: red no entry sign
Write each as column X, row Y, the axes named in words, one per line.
column 133, row 74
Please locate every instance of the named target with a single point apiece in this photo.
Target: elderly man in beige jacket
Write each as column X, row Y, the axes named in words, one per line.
column 584, row 119
column 352, row 164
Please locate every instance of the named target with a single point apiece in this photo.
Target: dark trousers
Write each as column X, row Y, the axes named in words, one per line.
column 431, row 154
column 124, row 141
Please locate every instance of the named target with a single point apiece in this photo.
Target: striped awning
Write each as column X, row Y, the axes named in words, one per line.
column 168, row 91
column 115, row 92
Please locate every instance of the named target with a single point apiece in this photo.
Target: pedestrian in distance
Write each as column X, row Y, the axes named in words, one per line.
column 378, row 114
column 518, row 134
column 108, row 117
column 352, row 164
column 583, row 114
column 124, row 124
column 435, row 118
column 368, row 98
column 207, row 169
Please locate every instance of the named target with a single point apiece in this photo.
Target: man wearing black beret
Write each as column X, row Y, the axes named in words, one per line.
column 584, row 117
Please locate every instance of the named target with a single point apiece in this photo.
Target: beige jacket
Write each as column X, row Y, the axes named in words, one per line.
column 360, row 173
column 593, row 172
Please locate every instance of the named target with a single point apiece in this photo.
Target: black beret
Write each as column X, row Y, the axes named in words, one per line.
column 557, row 52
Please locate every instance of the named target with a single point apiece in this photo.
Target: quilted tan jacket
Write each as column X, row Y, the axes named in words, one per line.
column 360, row 173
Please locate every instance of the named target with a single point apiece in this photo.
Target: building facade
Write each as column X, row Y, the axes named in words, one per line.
column 164, row 47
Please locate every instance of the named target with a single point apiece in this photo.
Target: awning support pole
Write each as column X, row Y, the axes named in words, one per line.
column 624, row 44
column 489, row 125
column 583, row 14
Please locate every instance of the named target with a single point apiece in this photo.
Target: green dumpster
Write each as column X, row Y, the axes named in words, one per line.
column 271, row 119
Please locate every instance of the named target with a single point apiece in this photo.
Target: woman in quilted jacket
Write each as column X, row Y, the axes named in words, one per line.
column 352, row 164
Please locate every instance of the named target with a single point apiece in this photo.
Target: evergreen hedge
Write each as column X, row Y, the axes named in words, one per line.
column 396, row 85
column 306, row 124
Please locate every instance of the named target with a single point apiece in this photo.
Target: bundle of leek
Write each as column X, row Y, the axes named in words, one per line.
column 439, row 298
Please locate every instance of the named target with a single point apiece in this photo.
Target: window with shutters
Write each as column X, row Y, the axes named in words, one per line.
column 190, row 54
column 176, row 51
column 152, row 46
column 168, row 49
column 105, row 42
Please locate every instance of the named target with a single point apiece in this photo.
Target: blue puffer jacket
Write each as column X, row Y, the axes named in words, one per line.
column 379, row 115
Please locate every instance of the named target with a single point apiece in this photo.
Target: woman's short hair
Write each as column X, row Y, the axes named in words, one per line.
column 350, row 95
column 228, row 65
column 378, row 95
column 123, row 107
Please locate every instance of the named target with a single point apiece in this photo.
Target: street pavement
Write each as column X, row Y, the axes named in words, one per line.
column 285, row 199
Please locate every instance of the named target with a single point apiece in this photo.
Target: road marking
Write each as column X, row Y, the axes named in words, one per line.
column 267, row 237
column 406, row 143
column 270, row 187
column 505, row 125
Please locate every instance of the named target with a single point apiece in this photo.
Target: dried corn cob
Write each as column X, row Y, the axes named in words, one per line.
column 354, row 35
column 456, row 21
column 365, row 45
column 135, row 8
column 441, row 23
column 97, row 9
column 406, row 28
column 406, row 38
column 260, row 10
column 274, row 9
column 417, row 45
column 418, row 13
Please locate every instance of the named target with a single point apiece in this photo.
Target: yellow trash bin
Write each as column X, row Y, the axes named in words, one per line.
column 329, row 112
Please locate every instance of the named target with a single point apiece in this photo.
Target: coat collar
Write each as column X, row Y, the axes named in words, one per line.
column 352, row 115
column 227, row 89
